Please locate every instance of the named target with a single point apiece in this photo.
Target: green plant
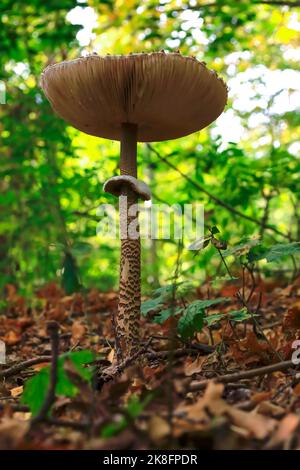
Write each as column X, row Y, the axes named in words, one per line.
column 36, row 388
column 132, row 410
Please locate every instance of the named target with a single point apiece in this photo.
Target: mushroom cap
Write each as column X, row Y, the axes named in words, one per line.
column 114, row 186
column 166, row 94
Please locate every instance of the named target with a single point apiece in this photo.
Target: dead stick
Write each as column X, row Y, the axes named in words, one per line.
column 67, row 424
column 52, row 329
column 112, row 371
column 247, row 374
column 14, row 407
column 205, row 348
column 51, row 421
column 23, row 365
column 177, row 354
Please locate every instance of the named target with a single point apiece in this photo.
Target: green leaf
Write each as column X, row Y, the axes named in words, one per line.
column 214, row 230
column 36, row 388
column 191, row 321
column 135, row 406
column 203, row 304
column 64, row 386
column 133, row 409
column 200, row 244
column 275, row 253
column 81, row 248
column 239, row 315
column 223, row 279
column 165, row 314
column 241, row 248
column 167, row 292
column 233, row 315
column 163, row 295
column 70, row 276
column 214, row 318
column 113, row 429
column 151, row 305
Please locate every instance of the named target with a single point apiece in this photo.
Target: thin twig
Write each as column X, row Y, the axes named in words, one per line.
column 52, row 329
column 16, row 368
column 52, row 421
column 15, row 407
column 247, row 374
column 114, row 370
column 159, row 355
column 201, row 347
column 78, row 426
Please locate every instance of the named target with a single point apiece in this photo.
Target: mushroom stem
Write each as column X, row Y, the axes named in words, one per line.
column 128, row 165
column 128, row 316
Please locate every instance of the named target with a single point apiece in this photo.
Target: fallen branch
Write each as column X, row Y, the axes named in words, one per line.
column 247, row 374
column 23, row 365
column 111, row 372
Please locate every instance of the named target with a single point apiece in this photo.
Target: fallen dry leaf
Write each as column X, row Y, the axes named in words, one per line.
column 286, row 428
column 158, row 429
column 12, row 338
column 296, row 390
column 78, row 330
column 292, row 317
column 12, row 432
column 257, row 425
column 269, row 409
column 110, row 356
column 195, row 366
column 261, row 396
column 16, row 391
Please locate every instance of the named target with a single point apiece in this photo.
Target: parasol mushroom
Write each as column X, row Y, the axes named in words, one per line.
column 133, row 98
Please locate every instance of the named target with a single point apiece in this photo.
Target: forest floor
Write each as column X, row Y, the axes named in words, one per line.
column 230, row 387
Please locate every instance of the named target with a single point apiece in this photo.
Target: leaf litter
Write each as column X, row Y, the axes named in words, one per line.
column 151, row 403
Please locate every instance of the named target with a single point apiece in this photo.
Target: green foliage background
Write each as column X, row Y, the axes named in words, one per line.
column 51, row 175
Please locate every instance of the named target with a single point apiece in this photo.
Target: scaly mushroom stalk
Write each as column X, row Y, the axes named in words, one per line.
column 127, row 322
